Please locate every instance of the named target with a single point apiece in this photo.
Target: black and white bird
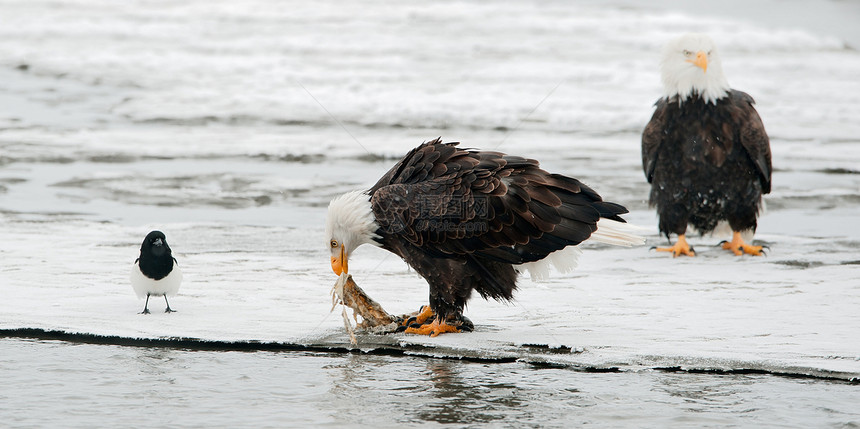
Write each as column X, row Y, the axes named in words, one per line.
column 705, row 151
column 155, row 272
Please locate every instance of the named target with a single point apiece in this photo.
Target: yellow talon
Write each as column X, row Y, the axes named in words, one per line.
column 739, row 247
column 420, row 318
column 680, row 248
column 432, row 329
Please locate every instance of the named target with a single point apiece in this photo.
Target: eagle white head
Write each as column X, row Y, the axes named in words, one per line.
column 691, row 65
column 350, row 223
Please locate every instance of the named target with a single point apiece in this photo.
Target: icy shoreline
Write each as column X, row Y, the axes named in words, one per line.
column 234, row 140
column 539, row 355
column 788, row 313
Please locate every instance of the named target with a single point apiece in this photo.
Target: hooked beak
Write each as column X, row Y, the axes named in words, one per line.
column 339, row 263
column 701, row 61
column 157, row 242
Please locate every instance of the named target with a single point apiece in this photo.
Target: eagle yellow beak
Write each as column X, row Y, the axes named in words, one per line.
column 701, row 61
column 339, row 263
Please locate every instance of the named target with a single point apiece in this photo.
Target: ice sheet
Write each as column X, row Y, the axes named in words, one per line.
column 230, row 125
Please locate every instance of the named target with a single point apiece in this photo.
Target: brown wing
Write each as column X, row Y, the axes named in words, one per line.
column 420, row 162
column 453, row 201
column 652, row 137
column 753, row 138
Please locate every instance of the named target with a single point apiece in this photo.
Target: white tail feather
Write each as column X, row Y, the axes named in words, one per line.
column 723, row 230
column 618, row 233
column 564, row 260
column 567, row 259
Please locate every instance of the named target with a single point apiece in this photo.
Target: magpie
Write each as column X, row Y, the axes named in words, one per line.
column 155, row 272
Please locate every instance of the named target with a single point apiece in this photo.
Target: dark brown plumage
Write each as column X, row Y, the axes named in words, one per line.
column 706, row 162
column 463, row 218
column 705, row 151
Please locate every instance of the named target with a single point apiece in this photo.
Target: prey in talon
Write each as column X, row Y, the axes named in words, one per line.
column 469, row 221
column 352, row 296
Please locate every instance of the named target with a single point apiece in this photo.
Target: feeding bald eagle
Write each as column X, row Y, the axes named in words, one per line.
column 705, row 151
column 470, row 220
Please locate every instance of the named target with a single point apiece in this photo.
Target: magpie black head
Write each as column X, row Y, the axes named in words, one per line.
column 156, row 259
column 155, row 243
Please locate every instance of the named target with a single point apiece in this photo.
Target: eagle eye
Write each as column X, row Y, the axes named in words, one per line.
column 687, row 53
column 333, row 243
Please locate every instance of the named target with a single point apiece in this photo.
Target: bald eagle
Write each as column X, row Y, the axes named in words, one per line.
column 471, row 220
column 705, row 151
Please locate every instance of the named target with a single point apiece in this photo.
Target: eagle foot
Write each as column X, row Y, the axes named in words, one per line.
column 739, row 247
column 756, row 250
column 420, row 317
column 679, row 248
column 750, row 250
column 458, row 324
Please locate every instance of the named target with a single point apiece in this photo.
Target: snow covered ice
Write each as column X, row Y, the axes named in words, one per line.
column 229, row 126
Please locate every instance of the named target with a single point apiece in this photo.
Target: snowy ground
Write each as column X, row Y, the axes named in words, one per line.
column 229, row 126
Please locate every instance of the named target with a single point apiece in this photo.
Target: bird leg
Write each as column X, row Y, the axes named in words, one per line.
column 739, row 247
column 145, row 306
column 433, row 329
column 168, row 306
column 419, row 323
column 419, row 317
column 680, row 248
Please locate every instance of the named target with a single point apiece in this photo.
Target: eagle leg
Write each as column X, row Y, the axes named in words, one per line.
column 420, row 317
column 739, row 247
column 433, row 329
column 680, row 248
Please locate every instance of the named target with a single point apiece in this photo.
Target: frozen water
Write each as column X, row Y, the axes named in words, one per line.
column 229, row 126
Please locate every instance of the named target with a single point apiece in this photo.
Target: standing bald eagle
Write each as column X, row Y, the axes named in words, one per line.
column 705, row 151
column 466, row 220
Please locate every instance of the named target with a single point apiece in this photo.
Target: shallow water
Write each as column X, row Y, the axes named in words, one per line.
column 58, row 384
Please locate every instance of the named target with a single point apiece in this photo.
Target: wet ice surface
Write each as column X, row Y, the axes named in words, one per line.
column 230, row 126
